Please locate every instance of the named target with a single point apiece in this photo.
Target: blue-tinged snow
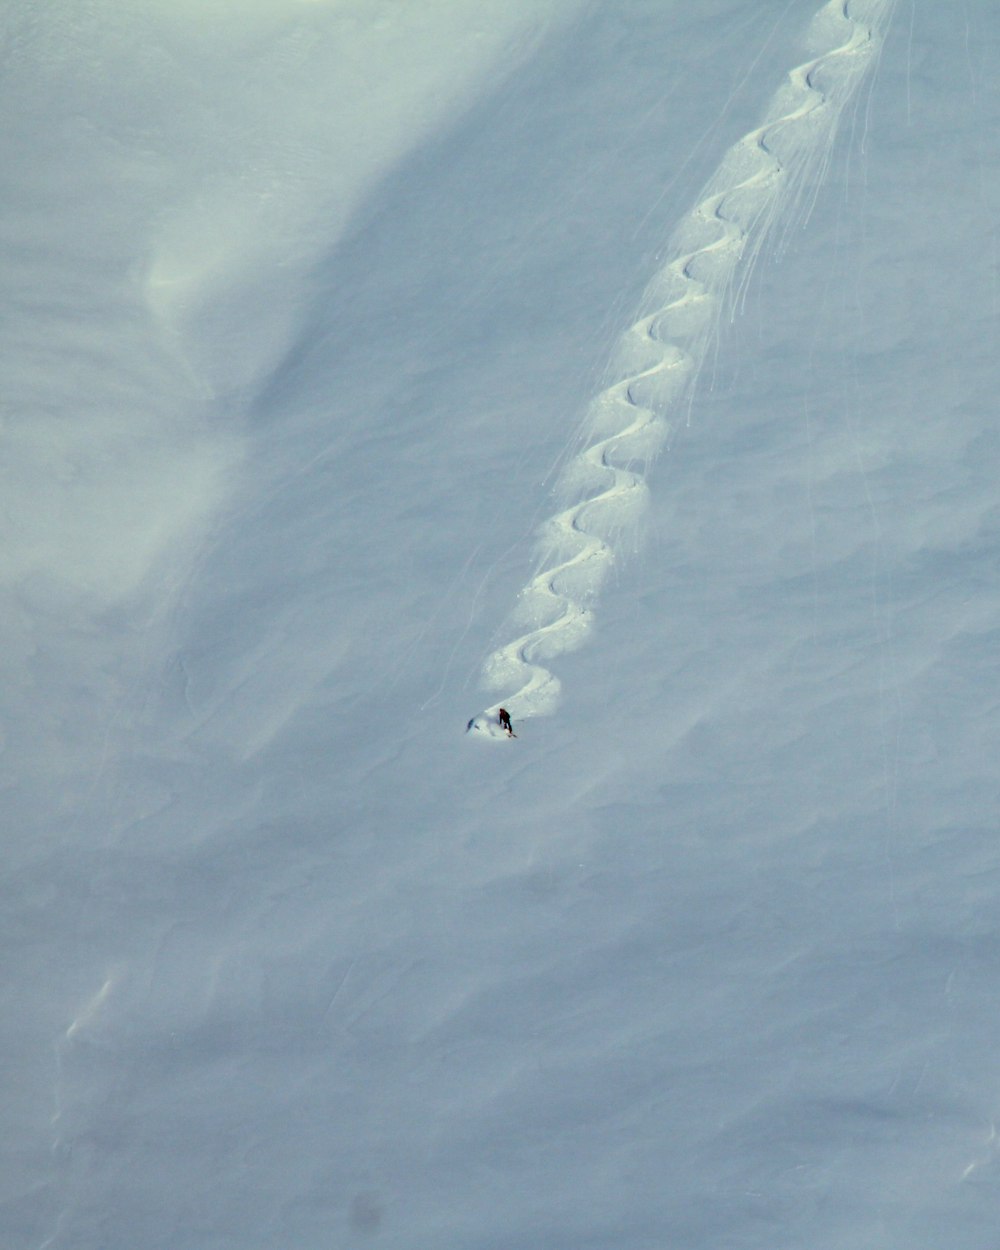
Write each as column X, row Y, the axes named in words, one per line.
column 306, row 305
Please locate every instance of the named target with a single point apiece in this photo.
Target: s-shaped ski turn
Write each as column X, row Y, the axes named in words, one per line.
column 761, row 180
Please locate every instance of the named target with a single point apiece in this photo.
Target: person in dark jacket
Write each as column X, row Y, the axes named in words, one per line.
column 503, row 716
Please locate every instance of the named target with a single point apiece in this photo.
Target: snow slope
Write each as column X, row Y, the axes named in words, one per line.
column 707, row 958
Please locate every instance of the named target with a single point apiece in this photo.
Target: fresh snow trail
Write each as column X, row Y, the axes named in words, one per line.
column 762, row 181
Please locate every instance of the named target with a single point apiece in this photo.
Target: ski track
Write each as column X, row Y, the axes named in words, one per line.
column 762, row 181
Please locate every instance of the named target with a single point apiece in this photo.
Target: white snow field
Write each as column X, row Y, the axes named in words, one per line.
column 307, row 304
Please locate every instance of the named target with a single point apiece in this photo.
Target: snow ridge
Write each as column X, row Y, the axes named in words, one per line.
column 760, row 182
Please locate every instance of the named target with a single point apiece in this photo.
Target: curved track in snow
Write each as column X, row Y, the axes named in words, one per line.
column 760, row 181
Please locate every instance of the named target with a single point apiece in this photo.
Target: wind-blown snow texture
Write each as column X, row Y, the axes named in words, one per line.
column 710, row 957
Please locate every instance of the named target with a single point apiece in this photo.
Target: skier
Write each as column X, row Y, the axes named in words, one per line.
column 503, row 716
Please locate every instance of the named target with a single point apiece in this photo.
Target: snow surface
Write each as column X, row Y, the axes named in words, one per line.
column 305, row 304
